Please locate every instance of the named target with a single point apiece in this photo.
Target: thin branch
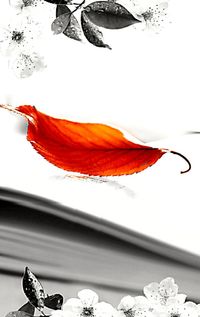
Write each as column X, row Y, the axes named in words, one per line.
column 78, row 6
column 185, row 158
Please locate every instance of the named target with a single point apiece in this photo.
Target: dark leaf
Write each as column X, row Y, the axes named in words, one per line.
column 18, row 314
column 33, row 289
column 54, row 301
column 62, row 9
column 28, row 308
column 61, row 23
column 91, row 32
column 109, row 15
column 73, row 30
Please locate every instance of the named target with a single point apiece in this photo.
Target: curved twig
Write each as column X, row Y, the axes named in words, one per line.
column 185, row 158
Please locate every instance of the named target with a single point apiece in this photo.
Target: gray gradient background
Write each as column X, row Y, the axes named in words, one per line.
column 70, row 250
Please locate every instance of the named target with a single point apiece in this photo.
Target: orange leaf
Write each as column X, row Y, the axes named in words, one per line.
column 87, row 148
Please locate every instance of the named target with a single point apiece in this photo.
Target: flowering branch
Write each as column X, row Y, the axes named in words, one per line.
column 159, row 299
column 18, row 45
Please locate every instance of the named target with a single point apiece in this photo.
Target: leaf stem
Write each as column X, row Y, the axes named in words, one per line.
column 78, row 6
column 185, row 158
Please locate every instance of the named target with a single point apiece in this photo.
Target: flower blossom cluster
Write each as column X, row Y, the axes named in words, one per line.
column 160, row 299
column 21, row 37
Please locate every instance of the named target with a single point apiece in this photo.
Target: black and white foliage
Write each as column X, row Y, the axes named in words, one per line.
column 75, row 19
column 28, row 308
column 35, row 294
column 91, row 32
column 158, row 299
column 73, row 28
column 33, row 290
column 110, row 15
column 104, row 14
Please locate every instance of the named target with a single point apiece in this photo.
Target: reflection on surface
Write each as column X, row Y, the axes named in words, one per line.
column 69, row 250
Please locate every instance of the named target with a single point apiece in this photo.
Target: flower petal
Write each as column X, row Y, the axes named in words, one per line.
column 190, row 305
column 88, row 297
column 173, row 309
column 16, row 4
column 153, row 13
column 63, row 313
column 151, row 291
column 143, row 313
column 6, row 43
column 20, row 34
column 22, row 4
column 198, row 308
column 178, row 299
column 120, row 313
column 32, row 3
column 73, row 305
column 189, row 309
column 31, row 27
column 104, row 310
column 168, row 288
column 126, row 303
column 24, row 65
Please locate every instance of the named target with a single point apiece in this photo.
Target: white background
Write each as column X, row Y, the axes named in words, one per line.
column 148, row 85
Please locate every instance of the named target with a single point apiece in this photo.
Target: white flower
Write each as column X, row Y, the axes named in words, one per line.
column 198, row 309
column 18, row 42
column 164, row 293
column 25, row 64
column 135, row 307
column 86, row 305
column 21, row 4
column 39, row 10
column 57, row 313
column 19, row 34
column 152, row 14
column 188, row 309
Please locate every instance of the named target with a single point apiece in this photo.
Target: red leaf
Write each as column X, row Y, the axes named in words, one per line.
column 87, row 148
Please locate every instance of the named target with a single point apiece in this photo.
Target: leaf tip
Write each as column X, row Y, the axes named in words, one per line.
column 26, row 270
column 108, row 47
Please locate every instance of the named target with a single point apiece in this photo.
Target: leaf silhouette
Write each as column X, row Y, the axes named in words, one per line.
column 86, row 148
column 91, row 32
column 61, row 23
column 33, row 289
column 54, row 301
column 62, row 9
column 18, row 314
column 110, row 15
column 73, row 29
column 28, row 308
